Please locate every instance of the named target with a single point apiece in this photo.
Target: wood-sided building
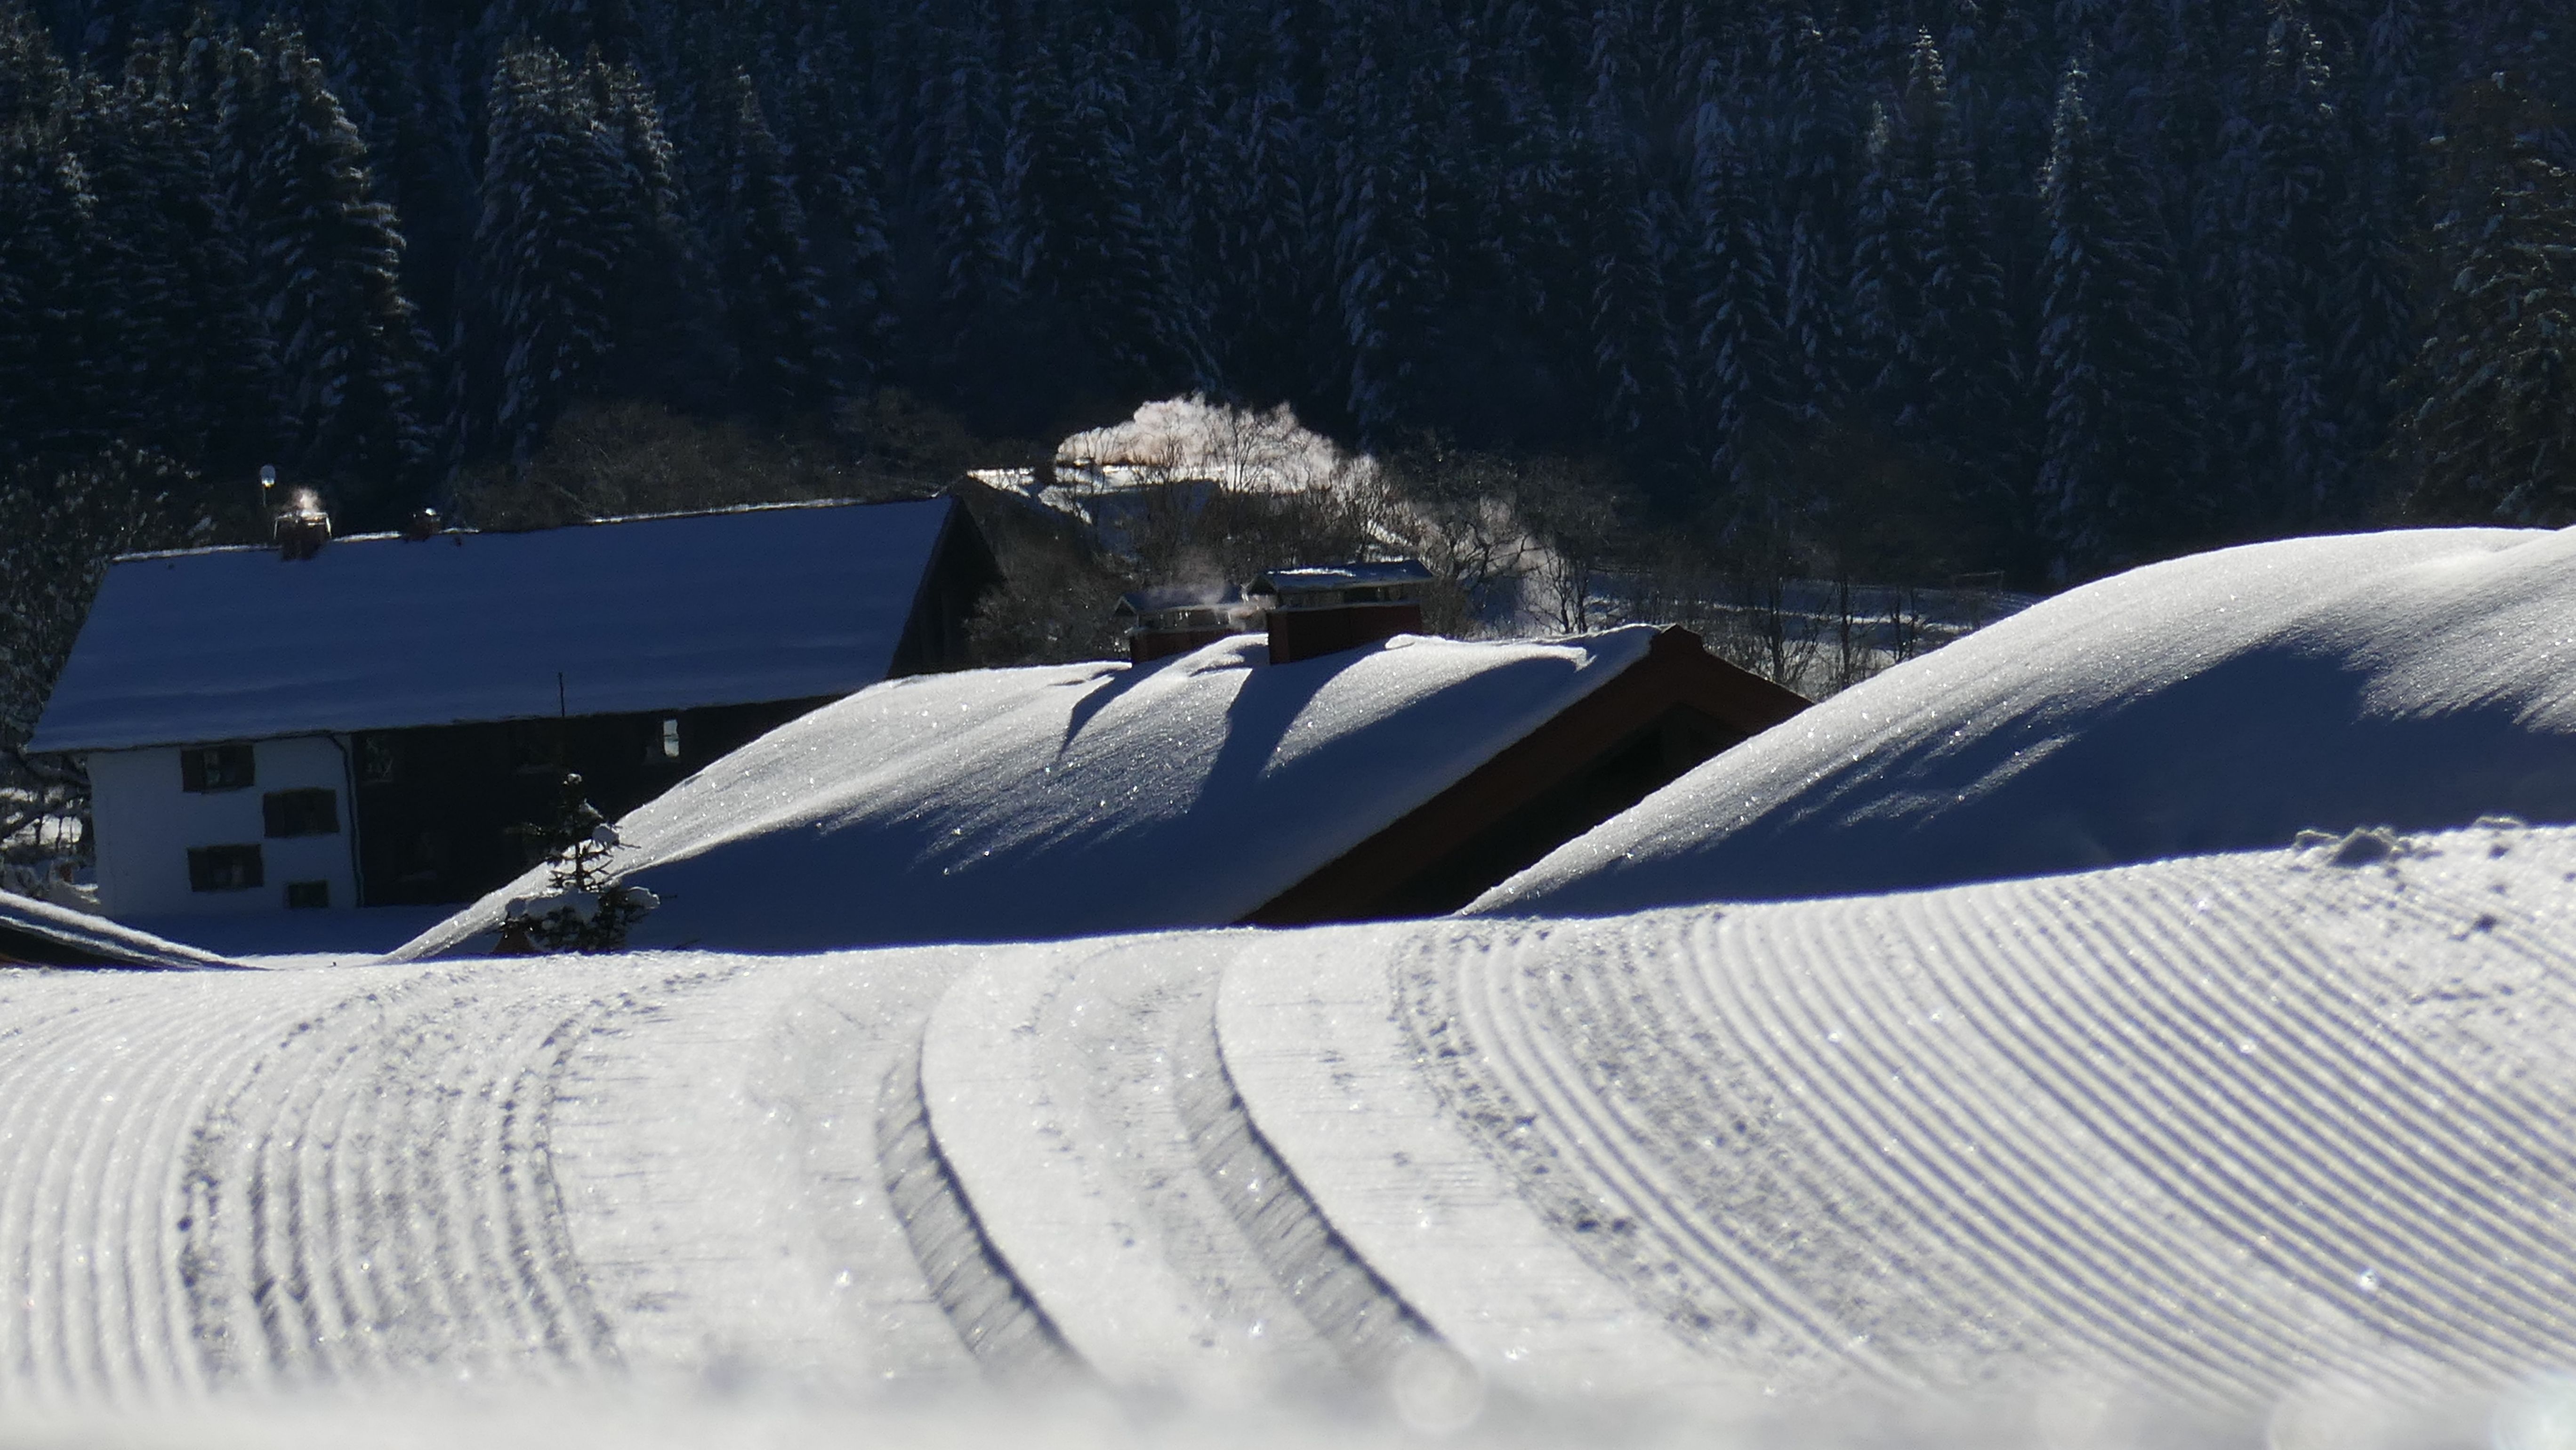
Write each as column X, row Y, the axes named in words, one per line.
column 361, row 724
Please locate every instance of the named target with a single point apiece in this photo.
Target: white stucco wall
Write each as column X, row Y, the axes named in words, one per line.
column 146, row 822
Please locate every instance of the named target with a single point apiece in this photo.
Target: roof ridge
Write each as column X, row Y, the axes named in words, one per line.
column 381, row 536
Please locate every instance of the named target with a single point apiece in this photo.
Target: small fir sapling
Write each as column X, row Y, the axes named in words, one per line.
column 584, row 910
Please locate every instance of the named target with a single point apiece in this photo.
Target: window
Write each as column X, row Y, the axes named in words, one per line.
column 301, row 813
column 204, row 768
column 379, row 759
column 671, row 738
column 224, row 868
column 307, row 895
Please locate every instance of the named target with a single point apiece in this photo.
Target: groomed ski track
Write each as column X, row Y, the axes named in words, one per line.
column 2221, row 1130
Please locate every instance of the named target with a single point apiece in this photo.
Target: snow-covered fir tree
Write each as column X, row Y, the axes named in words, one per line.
column 1626, row 221
column 786, row 359
column 2495, row 434
column 1930, row 309
column 663, row 314
column 326, row 264
column 1738, row 368
column 2281, row 209
column 1083, row 225
column 585, row 907
column 35, row 85
column 548, row 243
column 2121, row 462
column 1386, row 267
column 840, row 174
column 207, row 385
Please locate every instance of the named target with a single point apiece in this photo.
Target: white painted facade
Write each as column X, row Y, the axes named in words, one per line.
column 146, row 821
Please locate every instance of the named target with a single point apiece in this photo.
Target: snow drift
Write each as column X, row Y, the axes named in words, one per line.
column 2418, row 679
column 2268, row 1137
column 1069, row 800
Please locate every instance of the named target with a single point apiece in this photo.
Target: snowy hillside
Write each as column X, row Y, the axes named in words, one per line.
column 2225, row 701
column 2148, row 1156
column 1063, row 800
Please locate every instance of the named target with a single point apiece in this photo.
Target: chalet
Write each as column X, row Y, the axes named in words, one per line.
column 1399, row 777
column 359, row 722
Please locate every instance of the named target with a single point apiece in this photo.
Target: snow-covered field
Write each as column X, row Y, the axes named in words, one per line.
column 2268, row 1148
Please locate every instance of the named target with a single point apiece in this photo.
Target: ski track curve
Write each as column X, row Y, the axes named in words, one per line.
column 703, row 1168
column 2216, row 1127
column 2227, row 1129
column 1078, row 1098
column 725, row 1172
column 279, row 1178
column 1311, row 1035
column 516, row 1172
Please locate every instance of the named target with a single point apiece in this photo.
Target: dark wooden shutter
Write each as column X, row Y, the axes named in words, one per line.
column 217, row 767
column 225, row 868
column 313, row 812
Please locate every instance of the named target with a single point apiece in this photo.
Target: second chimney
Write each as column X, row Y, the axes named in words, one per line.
column 1171, row 621
column 1324, row 609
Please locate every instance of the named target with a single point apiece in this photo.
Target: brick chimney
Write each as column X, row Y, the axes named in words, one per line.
column 1176, row 620
column 1323, row 609
column 301, row 528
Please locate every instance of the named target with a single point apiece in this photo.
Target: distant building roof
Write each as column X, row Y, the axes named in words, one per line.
column 1322, row 578
column 1069, row 799
column 37, row 933
column 379, row 632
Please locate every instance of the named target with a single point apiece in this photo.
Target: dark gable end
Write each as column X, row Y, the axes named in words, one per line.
column 962, row 568
column 1656, row 720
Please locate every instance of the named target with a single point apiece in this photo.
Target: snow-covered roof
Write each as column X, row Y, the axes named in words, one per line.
column 48, row 935
column 1073, row 799
column 2225, row 701
column 1325, row 578
column 380, row 632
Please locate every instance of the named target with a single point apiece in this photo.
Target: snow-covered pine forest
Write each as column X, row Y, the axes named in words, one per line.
column 2040, row 288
